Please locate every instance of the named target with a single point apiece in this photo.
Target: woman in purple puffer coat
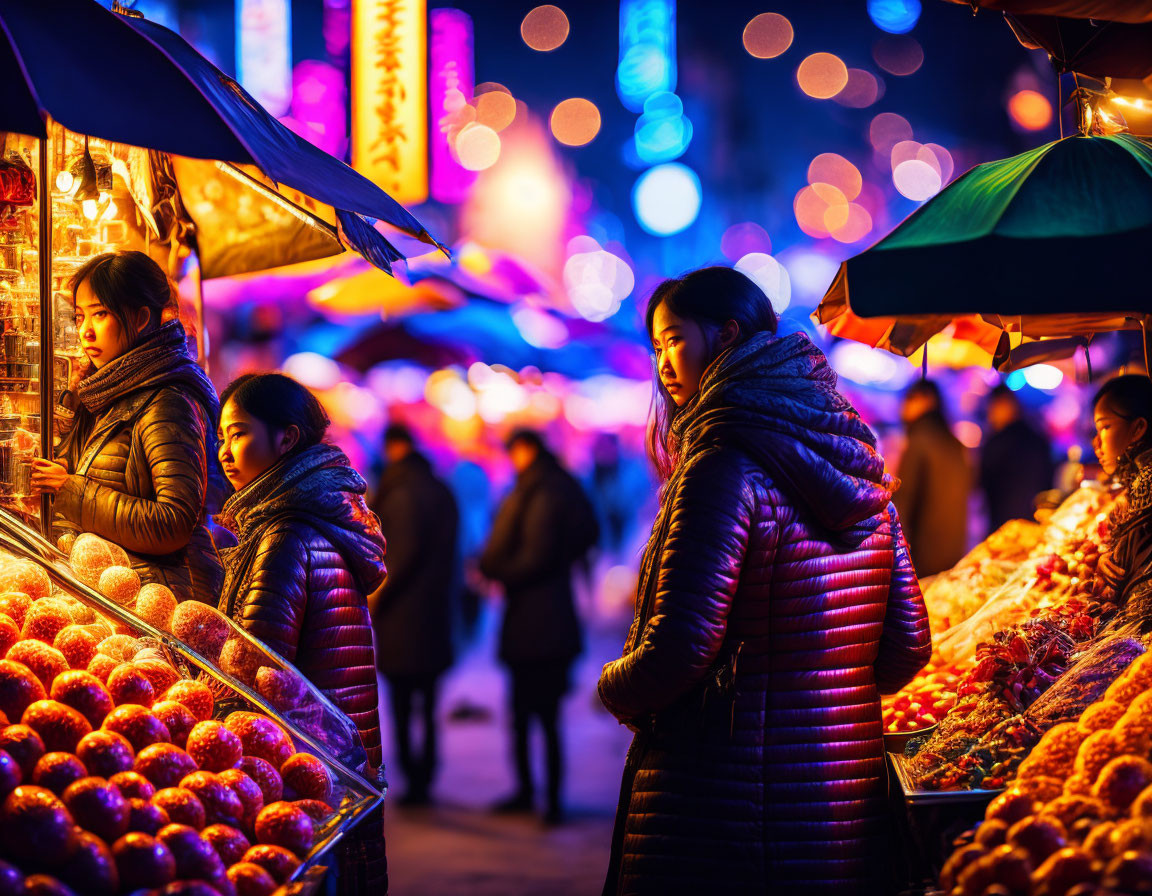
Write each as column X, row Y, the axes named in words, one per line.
column 776, row 603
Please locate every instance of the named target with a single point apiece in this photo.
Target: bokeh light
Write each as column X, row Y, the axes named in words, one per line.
column 663, row 132
column 771, row 276
column 743, row 239
column 894, row 16
column 856, row 226
column 861, row 91
column 597, row 281
column 575, row 122
column 1043, row 376
column 544, row 28
column 939, row 158
column 886, row 130
column 916, row 179
column 822, row 75
column 1030, row 110
column 539, row 328
column 818, row 205
column 477, row 147
column 830, row 168
column 495, row 106
column 906, row 150
column 899, row 56
column 313, row 370
column 968, row 432
column 666, row 198
column 869, row 366
column 768, row 35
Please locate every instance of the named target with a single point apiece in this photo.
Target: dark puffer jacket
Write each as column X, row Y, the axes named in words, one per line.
column 139, row 457
column 309, row 552
column 778, row 554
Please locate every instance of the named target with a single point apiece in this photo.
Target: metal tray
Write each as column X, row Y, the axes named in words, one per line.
column 916, row 797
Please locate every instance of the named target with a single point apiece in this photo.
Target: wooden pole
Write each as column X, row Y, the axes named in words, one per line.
column 47, row 350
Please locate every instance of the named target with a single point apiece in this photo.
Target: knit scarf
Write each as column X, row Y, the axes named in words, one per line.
column 157, row 354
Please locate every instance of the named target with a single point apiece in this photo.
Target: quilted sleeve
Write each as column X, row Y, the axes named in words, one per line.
column 274, row 606
column 906, row 641
column 699, row 570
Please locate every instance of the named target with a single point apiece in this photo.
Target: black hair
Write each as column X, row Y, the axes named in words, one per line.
column 526, row 437
column 710, row 297
column 1129, row 397
column 125, row 282
column 278, row 401
column 398, row 432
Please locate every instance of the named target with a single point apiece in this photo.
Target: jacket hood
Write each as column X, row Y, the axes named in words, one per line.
column 776, row 399
column 319, row 487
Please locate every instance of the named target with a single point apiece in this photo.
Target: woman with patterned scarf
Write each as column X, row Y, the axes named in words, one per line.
column 135, row 465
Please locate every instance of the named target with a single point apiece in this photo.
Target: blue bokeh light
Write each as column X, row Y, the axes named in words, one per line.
column 894, row 16
column 662, row 132
column 647, row 50
column 666, row 198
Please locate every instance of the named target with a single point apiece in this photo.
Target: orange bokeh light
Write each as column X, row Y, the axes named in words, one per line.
column 819, row 205
column 830, row 168
column 1031, row 110
column 822, row 75
column 495, row 106
column 887, row 129
column 768, row 35
column 575, row 122
column 862, row 90
column 898, row 55
column 544, row 28
column 857, row 225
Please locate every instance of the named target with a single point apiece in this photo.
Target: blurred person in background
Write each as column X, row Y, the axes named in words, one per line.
column 414, row 609
column 935, row 482
column 543, row 528
column 1015, row 462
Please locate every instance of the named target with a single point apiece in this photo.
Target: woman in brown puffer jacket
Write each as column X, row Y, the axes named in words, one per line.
column 135, row 463
column 776, row 603
column 309, row 552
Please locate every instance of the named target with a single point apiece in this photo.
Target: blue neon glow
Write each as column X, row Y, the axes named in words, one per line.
column 662, row 132
column 647, row 50
column 666, row 198
column 894, row 16
column 1015, row 380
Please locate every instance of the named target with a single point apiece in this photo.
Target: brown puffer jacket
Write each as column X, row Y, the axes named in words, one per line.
column 139, row 458
column 309, row 552
column 777, row 602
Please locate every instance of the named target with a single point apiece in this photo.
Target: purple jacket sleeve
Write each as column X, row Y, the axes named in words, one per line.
column 906, row 642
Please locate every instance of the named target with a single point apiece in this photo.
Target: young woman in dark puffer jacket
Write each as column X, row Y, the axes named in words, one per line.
column 135, row 463
column 309, row 552
column 776, row 603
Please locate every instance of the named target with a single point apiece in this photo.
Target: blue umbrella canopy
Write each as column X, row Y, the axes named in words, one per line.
column 125, row 79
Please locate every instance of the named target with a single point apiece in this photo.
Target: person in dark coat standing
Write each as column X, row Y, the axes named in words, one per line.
column 308, row 553
column 414, row 609
column 776, row 603
column 935, row 482
column 1015, row 463
column 542, row 529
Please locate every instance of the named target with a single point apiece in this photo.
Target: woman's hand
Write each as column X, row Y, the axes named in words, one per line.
column 48, row 477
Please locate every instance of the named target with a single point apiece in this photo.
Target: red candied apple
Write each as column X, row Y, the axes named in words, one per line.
column 195, row 857
column 282, row 688
column 188, row 888
column 177, row 718
column 201, row 627
column 120, row 647
column 1129, row 872
column 77, row 644
column 11, row 880
column 9, row 634
column 284, row 824
column 195, row 695
column 317, row 810
column 84, row 693
column 1142, row 806
column 105, row 753
column 14, row 605
column 138, row 725
column 46, row 885
column 182, row 806
column 45, row 620
column 19, row 688
column 306, row 778
column 146, row 817
column 127, row 684
column 261, row 737
column 10, row 777
column 143, row 861
column 98, row 806
column 133, row 785
column 241, row 659
column 990, row 834
column 25, row 577
column 228, row 842
column 45, row 661
column 36, row 825
column 24, row 745
column 165, row 765
column 214, row 747
column 102, row 666
column 155, row 604
column 91, row 555
column 265, row 775
column 161, row 675
column 1122, row 780
column 59, row 725
column 251, row 880
column 1130, row 834
column 248, row 791
column 1063, row 870
column 276, row 860
column 221, row 805
column 120, row 584
column 55, row 771
column 91, row 868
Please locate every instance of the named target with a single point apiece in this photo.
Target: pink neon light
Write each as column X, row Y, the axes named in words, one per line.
column 451, row 80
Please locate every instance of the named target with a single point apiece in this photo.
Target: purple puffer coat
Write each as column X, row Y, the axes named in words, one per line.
column 776, row 552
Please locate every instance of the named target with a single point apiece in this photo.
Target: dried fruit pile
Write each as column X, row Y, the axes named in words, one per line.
column 1077, row 819
column 924, row 701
